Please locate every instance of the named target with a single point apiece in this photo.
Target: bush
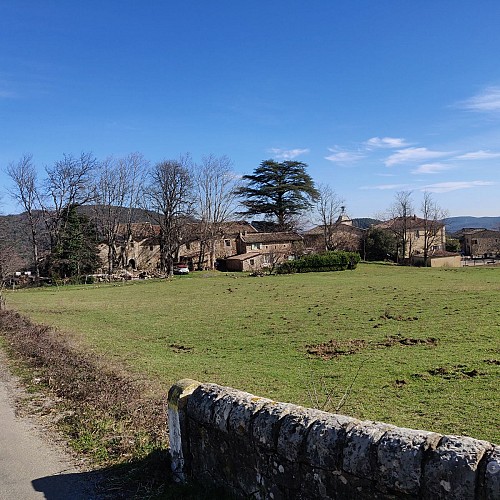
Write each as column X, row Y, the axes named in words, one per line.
column 321, row 262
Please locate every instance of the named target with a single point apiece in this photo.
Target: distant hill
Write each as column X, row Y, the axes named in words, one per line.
column 15, row 231
column 364, row 222
column 454, row 224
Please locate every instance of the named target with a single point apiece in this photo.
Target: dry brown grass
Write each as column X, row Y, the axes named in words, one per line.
column 112, row 417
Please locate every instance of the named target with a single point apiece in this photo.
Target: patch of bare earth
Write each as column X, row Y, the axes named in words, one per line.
column 335, row 348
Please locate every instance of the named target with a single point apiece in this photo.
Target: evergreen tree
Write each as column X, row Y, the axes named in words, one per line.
column 280, row 190
column 76, row 252
column 380, row 245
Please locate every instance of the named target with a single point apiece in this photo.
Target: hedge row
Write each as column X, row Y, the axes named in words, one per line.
column 321, row 262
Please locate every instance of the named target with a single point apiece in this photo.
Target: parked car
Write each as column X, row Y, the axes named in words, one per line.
column 181, row 269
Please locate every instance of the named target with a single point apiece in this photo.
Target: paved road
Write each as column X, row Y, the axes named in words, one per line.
column 30, row 466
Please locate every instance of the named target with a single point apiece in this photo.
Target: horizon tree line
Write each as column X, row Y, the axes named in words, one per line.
column 171, row 192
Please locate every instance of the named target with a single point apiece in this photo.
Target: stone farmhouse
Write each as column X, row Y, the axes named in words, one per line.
column 342, row 235
column 198, row 253
column 480, row 242
column 140, row 250
column 236, row 246
column 263, row 250
column 415, row 230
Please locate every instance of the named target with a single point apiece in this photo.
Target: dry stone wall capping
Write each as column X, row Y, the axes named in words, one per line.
column 258, row 448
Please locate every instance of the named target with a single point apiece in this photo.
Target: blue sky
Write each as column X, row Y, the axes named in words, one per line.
column 375, row 96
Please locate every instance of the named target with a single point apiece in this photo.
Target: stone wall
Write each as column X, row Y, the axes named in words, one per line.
column 258, row 448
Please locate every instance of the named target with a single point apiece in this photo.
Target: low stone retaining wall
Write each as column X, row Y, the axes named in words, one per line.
column 258, row 448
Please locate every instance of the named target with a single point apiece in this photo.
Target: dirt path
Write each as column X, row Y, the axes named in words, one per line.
column 31, row 466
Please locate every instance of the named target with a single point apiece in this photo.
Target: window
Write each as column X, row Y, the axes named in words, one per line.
column 252, row 262
column 150, row 248
column 227, row 243
column 188, row 246
column 255, row 246
column 474, row 242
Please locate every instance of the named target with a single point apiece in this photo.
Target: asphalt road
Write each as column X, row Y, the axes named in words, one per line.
column 31, row 466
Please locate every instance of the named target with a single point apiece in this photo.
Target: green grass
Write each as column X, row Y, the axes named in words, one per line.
column 251, row 333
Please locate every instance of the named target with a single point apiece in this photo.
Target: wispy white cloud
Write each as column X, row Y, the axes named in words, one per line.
column 478, row 155
column 413, row 155
column 431, row 168
column 386, row 187
column 287, row 154
column 340, row 156
column 486, row 101
column 385, row 143
column 446, row 187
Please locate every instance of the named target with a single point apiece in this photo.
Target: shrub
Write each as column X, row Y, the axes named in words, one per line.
column 321, row 262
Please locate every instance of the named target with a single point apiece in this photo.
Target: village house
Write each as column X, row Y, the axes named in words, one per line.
column 480, row 242
column 263, row 250
column 198, row 253
column 140, row 250
column 136, row 246
column 418, row 234
column 342, row 235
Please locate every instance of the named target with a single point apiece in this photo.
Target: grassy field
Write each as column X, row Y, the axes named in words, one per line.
column 422, row 346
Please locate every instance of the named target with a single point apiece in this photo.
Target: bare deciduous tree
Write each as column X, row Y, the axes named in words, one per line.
column 215, row 191
column 168, row 196
column 117, row 189
column 25, row 192
column 136, row 166
column 110, row 191
column 401, row 213
column 432, row 215
column 328, row 207
column 68, row 184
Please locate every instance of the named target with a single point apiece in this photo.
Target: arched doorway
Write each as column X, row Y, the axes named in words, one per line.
column 131, row 264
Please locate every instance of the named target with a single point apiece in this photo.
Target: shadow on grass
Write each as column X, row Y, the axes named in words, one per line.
column 149, row 478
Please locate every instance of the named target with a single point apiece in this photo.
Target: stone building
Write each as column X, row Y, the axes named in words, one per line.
column 263, row 250
column 342, row 235
column 480, row 242
column 417, row 233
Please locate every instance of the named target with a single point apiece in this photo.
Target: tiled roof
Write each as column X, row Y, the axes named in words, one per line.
column 412, row 222
column 271, row 237
column 140, row 230
column 484, row 233
column 335, row 228
column 244, row 256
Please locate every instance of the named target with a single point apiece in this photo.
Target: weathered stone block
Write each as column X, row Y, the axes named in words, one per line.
column 223, row 406
column 267, row 422
column 244, row 411
column 450, row 472
column 491, row 484
column 293, row 432
column 200, row 405
column 360, row 451
column 325, row 440
column 400, row 454
column 281, row 473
